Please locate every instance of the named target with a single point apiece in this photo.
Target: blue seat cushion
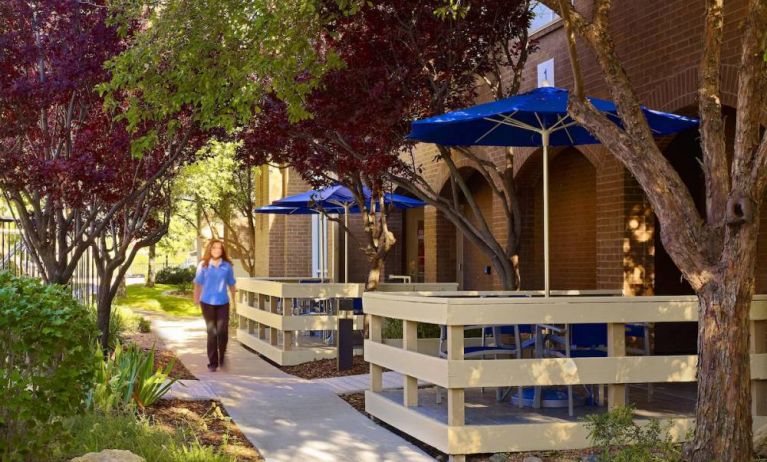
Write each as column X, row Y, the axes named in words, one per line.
column 635, row 330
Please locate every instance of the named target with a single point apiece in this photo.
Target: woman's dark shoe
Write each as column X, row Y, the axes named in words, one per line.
column 211, row 368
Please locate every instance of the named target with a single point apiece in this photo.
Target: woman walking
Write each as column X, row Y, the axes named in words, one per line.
column 214, row 275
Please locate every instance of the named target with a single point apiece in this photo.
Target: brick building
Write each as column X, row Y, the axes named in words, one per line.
column 603, row 231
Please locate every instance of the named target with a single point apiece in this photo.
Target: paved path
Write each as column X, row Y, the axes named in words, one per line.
column 285, row 417
column 357, row 383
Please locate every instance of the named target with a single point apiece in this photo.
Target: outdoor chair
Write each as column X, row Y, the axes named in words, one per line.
column 586, row 341
column 495, row 347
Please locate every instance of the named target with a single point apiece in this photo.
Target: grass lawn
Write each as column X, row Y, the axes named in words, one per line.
column 143, row 298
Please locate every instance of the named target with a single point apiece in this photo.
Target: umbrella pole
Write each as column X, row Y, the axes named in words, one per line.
column 546, row 287
column 321, row 243
column 324, row 247
column 346, row 242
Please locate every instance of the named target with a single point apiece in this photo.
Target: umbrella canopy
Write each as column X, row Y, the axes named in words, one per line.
column 338, row 196
column 536, row 118
column 334, row 199
column 524, row 119
column 282, row 210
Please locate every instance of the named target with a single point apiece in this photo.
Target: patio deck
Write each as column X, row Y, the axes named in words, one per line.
column 468, row 422
column 283, row 335
column 668, row 401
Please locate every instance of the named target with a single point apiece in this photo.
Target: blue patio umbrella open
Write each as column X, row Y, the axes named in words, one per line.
column 335, row 199
column 283, row 210
column 536, row 118
column 341, row 196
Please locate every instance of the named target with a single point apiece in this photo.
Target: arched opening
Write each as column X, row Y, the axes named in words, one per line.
column 572, row 222
column 477, row 267
column 446, row 255
column 685, row 155
column 359, row 264
column 411, row 240
column 457, row 258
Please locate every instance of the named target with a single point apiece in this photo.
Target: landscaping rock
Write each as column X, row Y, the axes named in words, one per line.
column 109, row 455
column 532, row 459
column 760, row 441
column 500, row 457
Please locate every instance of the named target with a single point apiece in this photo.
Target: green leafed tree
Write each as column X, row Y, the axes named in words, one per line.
column 216, row 58
column 221, row 192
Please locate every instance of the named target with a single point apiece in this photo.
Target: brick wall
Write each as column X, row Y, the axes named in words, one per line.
column 358, row 261
column 572, row 224
column 660, row 44
column 474, row 260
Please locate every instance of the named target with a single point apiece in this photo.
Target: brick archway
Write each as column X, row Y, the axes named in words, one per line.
column 572, row 211
column 449, row 257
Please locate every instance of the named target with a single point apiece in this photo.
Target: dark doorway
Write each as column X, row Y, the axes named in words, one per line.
column 678, row 337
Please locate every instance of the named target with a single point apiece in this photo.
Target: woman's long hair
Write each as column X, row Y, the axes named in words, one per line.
column 206, row 256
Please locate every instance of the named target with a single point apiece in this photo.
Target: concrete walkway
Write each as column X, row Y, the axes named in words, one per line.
column 286, row 418
column 358, row 383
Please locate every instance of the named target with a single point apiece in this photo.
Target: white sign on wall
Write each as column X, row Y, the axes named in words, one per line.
column 546, row 73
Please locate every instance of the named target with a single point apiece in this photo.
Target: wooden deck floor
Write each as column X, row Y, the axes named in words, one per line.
column 668, row 400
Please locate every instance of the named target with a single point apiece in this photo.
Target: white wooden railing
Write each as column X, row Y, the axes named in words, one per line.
column 455, row 374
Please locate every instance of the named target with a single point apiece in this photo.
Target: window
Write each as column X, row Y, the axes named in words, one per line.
column 542, row 17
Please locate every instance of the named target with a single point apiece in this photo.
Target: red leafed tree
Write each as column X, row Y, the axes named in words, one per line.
column 395, row 70
column 359, row 119
column 66, row 167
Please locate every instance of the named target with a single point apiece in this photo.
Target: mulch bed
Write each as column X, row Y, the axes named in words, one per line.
column 324, row 369
column 208, row 422
column 357, row 401
column 162, row 356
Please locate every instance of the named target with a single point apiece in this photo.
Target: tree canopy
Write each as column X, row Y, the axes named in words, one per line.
column 216, row 58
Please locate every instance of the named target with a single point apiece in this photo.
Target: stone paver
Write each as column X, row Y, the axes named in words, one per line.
column 358, row 383
column 190, row 390
column 285, row 417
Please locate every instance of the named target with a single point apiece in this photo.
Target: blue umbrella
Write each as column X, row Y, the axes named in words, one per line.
column 335, row 199
column 282, row 210
column 536, row 118
column 341, row 196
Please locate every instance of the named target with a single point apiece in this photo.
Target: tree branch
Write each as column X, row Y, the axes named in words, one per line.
column 712, row 123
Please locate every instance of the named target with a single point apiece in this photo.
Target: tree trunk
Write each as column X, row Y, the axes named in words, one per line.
column 104, row 310
column 723, row 412
column 121, row 289
column 150, row 272
column 377, row 266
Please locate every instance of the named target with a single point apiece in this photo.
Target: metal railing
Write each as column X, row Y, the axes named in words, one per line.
column 17, row 258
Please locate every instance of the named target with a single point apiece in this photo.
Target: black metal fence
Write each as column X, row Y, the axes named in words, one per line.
column 16, row 258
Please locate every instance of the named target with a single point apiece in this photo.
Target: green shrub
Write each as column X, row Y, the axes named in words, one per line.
column 392, row 328
column 144, row 325
column 93, row 432
column 181, row 277
column 127, row 381
column 620, row 439
column 118, row 324
column 46, row 341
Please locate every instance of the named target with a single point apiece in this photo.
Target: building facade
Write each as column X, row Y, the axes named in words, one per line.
column 603, row 231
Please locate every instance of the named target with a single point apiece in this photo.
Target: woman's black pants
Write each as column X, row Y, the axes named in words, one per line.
column 217, row 323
